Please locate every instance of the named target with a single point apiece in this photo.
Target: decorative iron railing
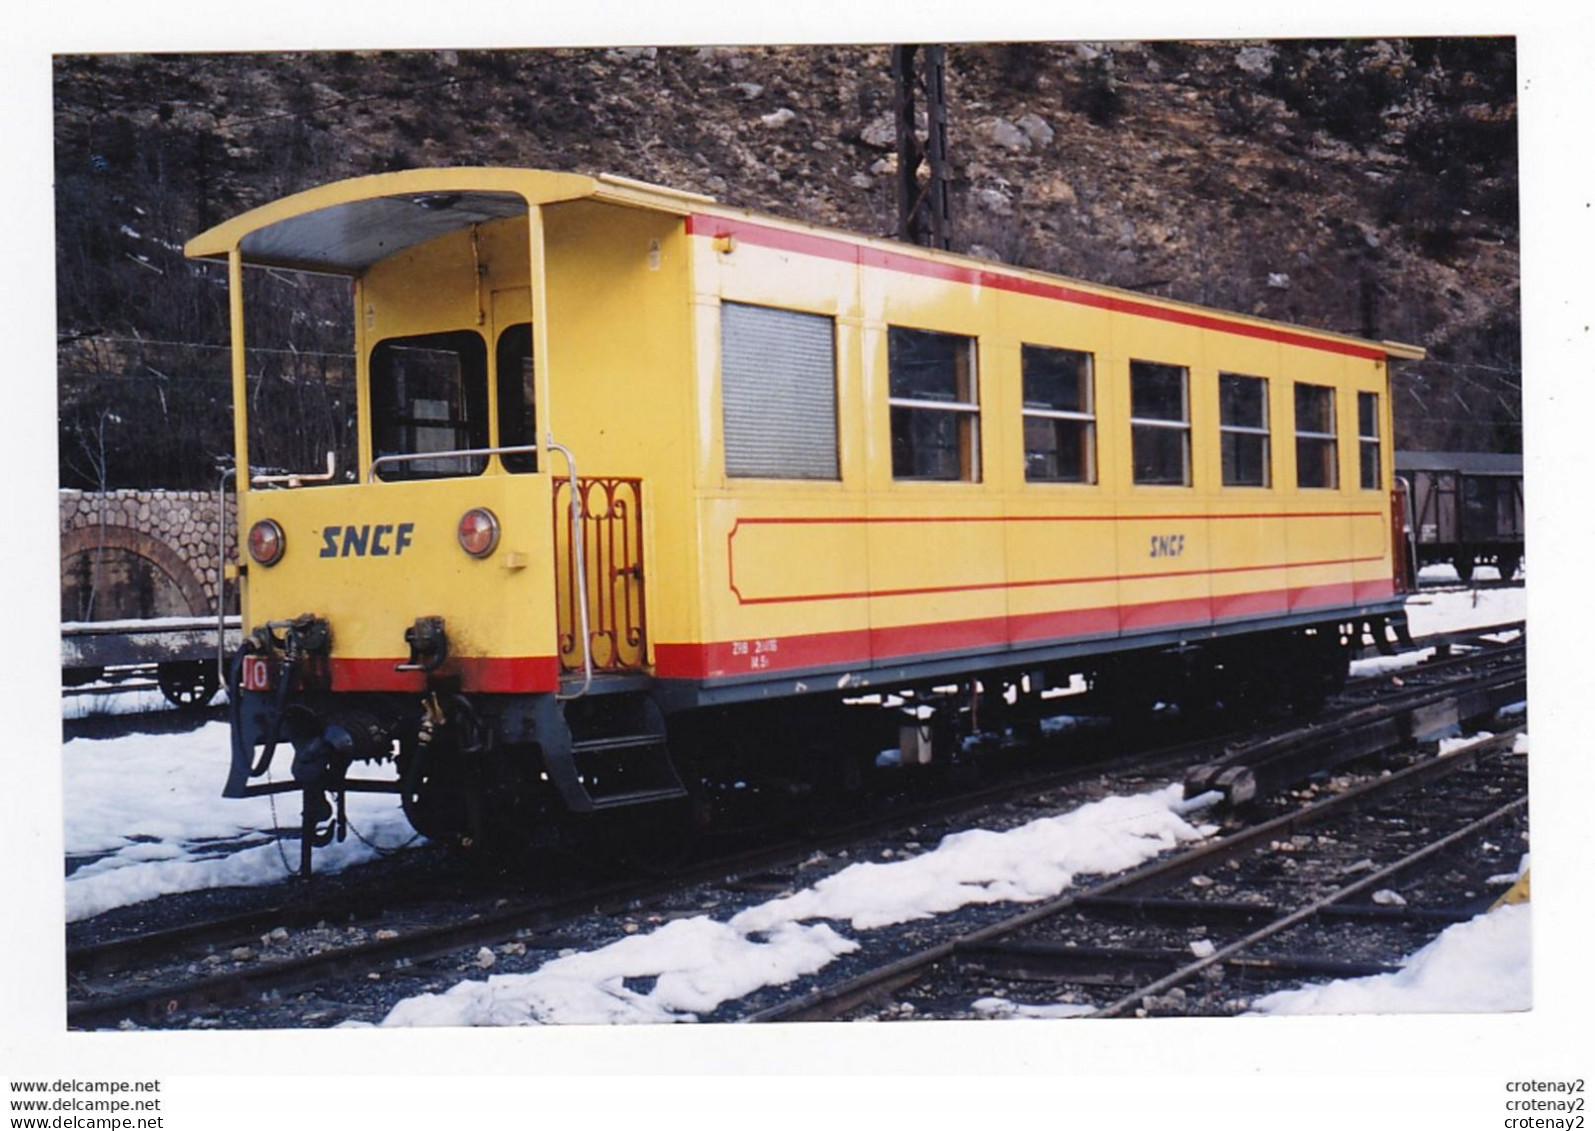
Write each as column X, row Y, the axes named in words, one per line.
column 611, row 510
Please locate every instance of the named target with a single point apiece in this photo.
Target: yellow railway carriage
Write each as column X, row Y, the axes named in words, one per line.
column 636, row 471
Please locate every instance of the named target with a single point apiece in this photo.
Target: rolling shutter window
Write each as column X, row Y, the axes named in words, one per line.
column 778, row 393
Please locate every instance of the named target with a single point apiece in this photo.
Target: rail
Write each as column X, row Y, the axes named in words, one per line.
column 1311, row 910
column 827, row 1002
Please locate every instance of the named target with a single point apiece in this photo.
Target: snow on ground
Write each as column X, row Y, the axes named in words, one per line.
column 1481, row 966
column 1385, row 665
column 1001, row 1007
column 1446, row 611
column 1454, row 609
column 690, row 966
column 97, row 699
column 146, row 813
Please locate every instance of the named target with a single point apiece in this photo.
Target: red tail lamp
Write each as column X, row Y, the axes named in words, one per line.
column 267, row 542
column 478, row 532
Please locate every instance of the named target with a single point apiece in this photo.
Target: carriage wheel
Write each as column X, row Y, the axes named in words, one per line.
column 1507, row 563
column 1464, row 566
column 188, row 686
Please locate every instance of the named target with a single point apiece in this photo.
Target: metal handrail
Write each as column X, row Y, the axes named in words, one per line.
column 221, row 576
column 578, row 538
column 298, row 478
column 457, row 453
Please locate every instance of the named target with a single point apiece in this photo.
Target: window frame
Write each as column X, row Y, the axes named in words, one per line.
column 1331, row 438
column 516, row 463
column 1087, row 418
column 383, row 407
column 1266, row 432
column 1369, row 442
column 966, row 412
column 1182, row 426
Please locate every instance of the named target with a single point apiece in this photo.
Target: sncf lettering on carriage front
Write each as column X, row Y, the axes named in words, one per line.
column 371, row 540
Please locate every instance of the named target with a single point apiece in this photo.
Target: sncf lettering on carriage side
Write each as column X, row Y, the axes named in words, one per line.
column 1167, row 545
column 371, row 540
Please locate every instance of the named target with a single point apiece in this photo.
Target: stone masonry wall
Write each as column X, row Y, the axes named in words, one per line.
column 176, row 530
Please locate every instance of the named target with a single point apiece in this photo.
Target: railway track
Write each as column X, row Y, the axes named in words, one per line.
column 1427, row 704
column 1480, row 637
column 174, row 976
column 148, row 977
column 1080, row 940
column 379, row 891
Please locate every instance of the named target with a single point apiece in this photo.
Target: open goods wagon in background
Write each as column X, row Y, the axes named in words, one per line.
column 832, row 490
column 1466, row 509
column 179, row 656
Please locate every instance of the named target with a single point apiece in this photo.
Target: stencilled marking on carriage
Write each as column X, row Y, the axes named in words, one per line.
column 256, row 674
column 379, row 540
column 757, row 652
column 1167, row 545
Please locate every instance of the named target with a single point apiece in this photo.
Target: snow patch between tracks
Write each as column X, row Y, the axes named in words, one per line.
column 691, row 966
column 1481, row 966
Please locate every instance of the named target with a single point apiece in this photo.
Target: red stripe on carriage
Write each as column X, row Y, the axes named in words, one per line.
column 1226, row 607
column 869, row 255
column 858, row 648
column 1317, row 596
column 1163, row 614
column 1375, row 590
column 477, row 673
column 1062, row 625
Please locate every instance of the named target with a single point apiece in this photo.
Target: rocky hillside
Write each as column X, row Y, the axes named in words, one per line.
column 1363, row 186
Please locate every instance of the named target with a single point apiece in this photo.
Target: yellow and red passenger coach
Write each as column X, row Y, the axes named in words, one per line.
column 643, row 480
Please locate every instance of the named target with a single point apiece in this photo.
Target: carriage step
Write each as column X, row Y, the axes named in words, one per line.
column 615, row 743
column 612, row 772
column 617, row 756
column 638, row 797
column 624, row 769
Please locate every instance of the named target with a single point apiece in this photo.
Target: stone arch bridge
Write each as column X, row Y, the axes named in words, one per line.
column 142, row 555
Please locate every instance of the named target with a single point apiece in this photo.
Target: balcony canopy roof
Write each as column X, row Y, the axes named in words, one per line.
column 345, row 227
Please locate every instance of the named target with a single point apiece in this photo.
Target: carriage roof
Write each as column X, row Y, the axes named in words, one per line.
column 347, row 226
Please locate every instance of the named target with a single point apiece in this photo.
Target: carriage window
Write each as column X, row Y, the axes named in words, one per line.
column 778, row 393
column 1059, row 419
column 1368, row 439
column 1160, row 424
column 935, row 405
column 1243, row 429
column 429, row 394
column 1317, row 451
column 517, row 411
